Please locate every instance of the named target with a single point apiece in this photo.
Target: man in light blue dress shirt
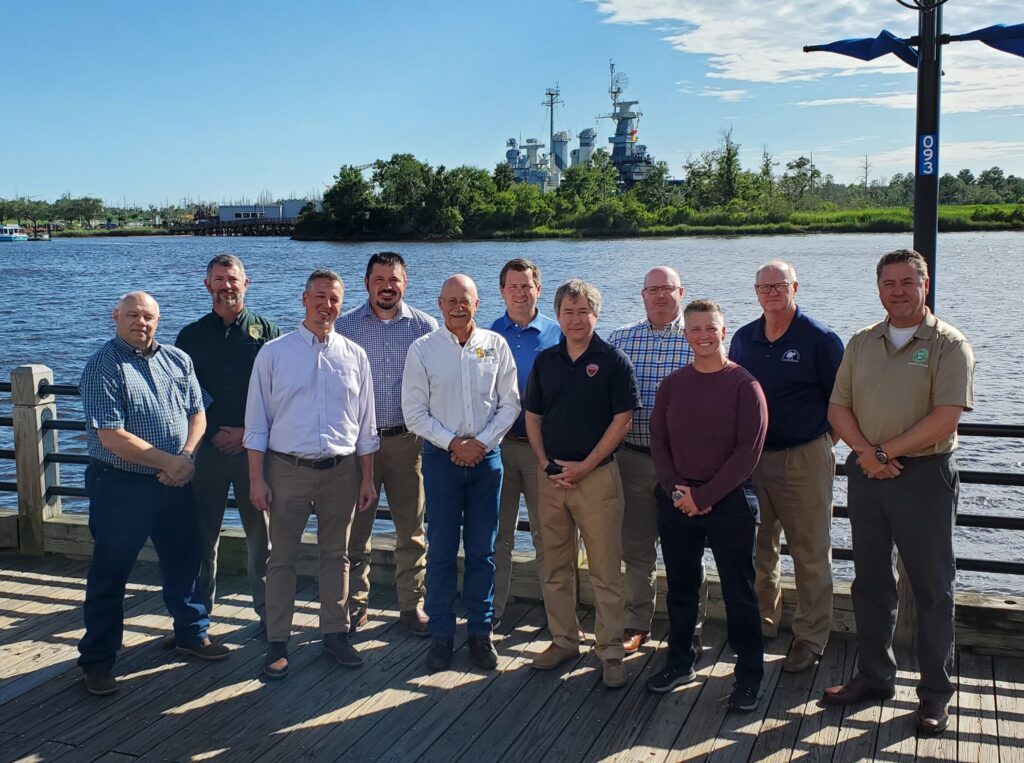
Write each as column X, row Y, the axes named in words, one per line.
column 459, row 394
column 308, row 418
column 527, row 332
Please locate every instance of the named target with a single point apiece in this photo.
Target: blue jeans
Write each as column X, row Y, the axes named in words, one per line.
column 461, row 501
column 730, row 529
column 125, row 509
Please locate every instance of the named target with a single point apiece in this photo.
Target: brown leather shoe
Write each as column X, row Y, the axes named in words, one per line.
column 931, row 716
column 614, row 674
column 357, row 616
column 415, row 621
column 800, row 657
column 858, row 690
column 553, row 656
column 633, row 639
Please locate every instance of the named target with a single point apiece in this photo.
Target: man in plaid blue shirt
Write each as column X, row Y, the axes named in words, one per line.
column 384, row 326
column 656, row 346
column 144, row 418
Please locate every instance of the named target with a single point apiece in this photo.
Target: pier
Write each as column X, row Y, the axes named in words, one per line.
column 171, row 708
column 251, row 227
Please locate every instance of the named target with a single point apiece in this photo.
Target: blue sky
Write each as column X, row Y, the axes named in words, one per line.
column 147, row 103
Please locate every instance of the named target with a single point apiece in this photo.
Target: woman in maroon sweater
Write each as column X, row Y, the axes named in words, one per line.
column 707, row 431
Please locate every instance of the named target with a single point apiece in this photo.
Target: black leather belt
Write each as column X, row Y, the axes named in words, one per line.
column 310, row 463
column 392, row 431
column 637, row 448
column 517, row 437
column 692, row 483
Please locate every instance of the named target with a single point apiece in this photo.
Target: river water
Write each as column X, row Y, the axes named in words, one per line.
column 56, row 299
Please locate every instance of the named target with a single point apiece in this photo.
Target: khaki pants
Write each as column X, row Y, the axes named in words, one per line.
column 595, row 507
column 396, row 466
column 520, row 478
column 297, row 491
column 794, row 487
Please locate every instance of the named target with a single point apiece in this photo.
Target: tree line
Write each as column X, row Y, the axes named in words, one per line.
column 86, row 211
column 407, row 198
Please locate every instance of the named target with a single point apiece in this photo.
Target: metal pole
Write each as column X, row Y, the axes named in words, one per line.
column 926, row 175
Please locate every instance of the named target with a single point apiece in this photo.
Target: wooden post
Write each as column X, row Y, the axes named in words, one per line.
column 31, row 445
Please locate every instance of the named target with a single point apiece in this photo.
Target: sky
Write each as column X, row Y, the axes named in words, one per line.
column 152, row 103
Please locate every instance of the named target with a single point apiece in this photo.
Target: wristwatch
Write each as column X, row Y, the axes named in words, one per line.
column 881, row 455
column 189, row 455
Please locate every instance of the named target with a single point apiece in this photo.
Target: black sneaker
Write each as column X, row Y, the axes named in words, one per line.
column 482, row 651
column 100, row 682
column 744, row 696
column 338, row 646
column 439, row 656
column 204, row 649
column 670, row 678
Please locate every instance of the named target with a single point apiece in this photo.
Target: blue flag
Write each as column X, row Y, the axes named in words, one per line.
column 1009, row 39
column 870, row 48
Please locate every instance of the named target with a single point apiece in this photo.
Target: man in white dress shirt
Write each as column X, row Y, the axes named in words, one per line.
column 309, row 417
column 459, row 394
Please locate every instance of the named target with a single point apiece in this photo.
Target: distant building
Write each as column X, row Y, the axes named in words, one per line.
column 282, row 210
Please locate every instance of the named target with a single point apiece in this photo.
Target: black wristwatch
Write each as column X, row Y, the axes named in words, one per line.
column 881, row 455
column 189, row 455
column 552, row 468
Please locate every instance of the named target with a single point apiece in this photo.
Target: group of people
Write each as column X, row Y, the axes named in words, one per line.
column 655, row 433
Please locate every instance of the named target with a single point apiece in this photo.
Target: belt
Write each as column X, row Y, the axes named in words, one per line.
column 517, row 437
column 692, row 483
column 637, row 448
column 310, row 463
column 392, row 431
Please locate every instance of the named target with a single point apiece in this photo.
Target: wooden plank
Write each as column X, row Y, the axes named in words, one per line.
column 859, row 728
column 672, row 711
column 47, row 751
column 819, row 724
column 977, row 736
column 784, row 707
column 1009, row 684
column 897, row 733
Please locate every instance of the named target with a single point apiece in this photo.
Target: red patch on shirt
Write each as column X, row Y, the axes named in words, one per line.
column 592, row 369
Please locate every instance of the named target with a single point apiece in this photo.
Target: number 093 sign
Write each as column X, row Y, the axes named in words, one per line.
column 928, row 155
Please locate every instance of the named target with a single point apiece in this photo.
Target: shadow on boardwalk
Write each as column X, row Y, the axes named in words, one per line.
column 168, row 708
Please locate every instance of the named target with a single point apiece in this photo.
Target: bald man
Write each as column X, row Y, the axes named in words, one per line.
column 460, row 394
column 144, row 419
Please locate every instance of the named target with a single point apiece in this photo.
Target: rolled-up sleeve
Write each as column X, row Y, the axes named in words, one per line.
column 507, row 389
column 416, row 402
column 258, row 416
column 367, row 440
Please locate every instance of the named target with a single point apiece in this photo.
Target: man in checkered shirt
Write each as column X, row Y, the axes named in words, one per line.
column 656, row 346
column 144, row 418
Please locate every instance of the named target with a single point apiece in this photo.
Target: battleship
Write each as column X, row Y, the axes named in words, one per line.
column 545, row 170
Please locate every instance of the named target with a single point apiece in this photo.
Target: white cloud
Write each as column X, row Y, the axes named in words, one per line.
column 758, row 42
column 953, row 156
column 726, row 96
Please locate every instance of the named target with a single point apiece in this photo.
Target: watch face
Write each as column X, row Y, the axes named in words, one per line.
column 881, row 455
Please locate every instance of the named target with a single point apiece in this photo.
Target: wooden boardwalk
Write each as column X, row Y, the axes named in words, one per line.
column 169, row 708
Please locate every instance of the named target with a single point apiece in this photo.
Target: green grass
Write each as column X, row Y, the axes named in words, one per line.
column 97, row 232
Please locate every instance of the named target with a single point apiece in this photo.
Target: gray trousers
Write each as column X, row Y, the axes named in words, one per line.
column 917, row 511
column 215, row 473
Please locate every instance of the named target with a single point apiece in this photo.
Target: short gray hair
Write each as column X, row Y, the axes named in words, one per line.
column 787, row 270
column 227, row 261
column 325, row 274
column 575, row 288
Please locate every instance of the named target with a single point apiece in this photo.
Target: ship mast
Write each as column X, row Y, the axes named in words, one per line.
column 552, row 97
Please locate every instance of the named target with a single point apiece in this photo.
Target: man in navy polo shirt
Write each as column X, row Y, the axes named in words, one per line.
column 795, row 359
column 527, row 332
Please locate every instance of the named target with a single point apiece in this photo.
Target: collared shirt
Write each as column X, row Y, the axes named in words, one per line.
column 579, row 398
column 386, row 344
column 654, row 353
column 890, row 390
column 311, row 399
column 453, row 391
column 151, row 396
column 525, row 342
column 796, row 372
column 223, row 355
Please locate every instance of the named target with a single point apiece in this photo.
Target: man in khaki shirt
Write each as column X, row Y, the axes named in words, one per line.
column 899, row 393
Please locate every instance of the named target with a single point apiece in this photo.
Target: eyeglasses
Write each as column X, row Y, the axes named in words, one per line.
column 772, row 288
column 653, row 291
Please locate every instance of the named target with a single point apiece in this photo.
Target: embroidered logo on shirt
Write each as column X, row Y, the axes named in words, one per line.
column 592, row 369
column 920, row 357
column 256, row 331
column 791, row 356
column 486, row 353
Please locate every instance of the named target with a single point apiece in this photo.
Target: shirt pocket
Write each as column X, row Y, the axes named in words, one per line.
column 487, row 377
column 180, row 392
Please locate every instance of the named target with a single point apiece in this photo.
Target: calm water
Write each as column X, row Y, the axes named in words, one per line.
column 56, row 300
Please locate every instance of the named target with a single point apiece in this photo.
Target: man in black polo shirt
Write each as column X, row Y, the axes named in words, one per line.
column 579, row 405
column 795, row 359
column 223, row 346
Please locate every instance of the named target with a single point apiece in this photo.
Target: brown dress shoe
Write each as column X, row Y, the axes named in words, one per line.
column 553, row 656
column 858, row 690
column 800, row 657
column 614, row 674
column 633, row 639
column 932, row 717
column 415, row 621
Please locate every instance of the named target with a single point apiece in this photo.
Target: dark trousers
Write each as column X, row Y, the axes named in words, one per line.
column 124, row 510
column 730, row 528
column 916, row 511
column 461, row 501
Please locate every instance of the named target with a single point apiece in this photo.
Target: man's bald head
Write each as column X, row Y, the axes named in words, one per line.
column 663, row 295
column 136, row 317
column 458, row 303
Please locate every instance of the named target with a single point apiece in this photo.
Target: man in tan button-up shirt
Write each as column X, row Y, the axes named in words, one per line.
column 899, row 393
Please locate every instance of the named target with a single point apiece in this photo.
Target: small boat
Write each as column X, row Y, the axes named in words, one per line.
column 39, row 234
column 12, row 233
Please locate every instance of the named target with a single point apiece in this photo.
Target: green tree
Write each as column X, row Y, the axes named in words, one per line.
column 654, row 191
column 800, row 181
column 592, row 181
column 504, row 176
column 348, row 203
column 403, row 183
